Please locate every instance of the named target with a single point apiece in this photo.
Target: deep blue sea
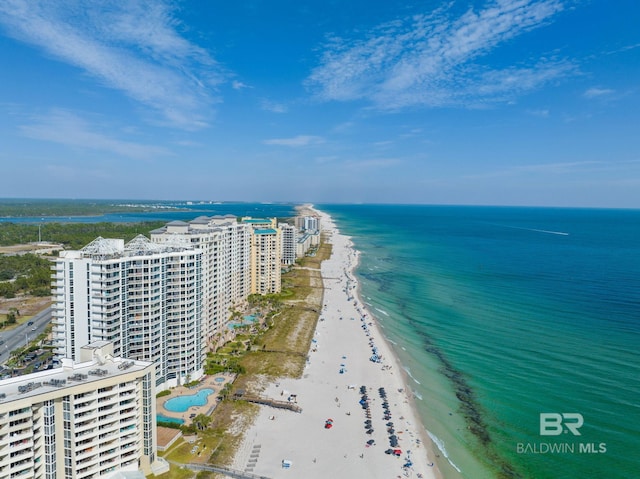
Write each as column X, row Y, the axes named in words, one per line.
column 503, row 314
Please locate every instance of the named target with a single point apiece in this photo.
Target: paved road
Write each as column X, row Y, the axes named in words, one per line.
column 23, row 334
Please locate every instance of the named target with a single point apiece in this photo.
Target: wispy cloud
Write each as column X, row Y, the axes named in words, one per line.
column 598, row 92
column 133, row 46
column 542, row 113
column 372, row 163
column 238, row 85
column 435, row 59
column 67, row 128
column 296, row 141
column 273, row 106
column 568, row 168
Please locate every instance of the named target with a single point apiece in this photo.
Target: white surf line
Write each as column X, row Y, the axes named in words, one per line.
column 561, row 233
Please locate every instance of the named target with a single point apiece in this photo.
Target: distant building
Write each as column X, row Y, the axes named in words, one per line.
column 265, row 255
column 87, row 419
column 308, row 223
column 226, row 260
column 143, row 297
column 289, row 239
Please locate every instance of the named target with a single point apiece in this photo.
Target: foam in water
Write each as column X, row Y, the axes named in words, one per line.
column 408, row 371
column 440, row 445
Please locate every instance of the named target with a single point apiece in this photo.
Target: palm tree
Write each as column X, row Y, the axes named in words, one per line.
column 225, row 391
column 201, row 422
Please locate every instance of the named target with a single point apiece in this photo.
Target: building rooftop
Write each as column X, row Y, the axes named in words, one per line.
column 68, row 375
column 269, row 231
column 256, row 220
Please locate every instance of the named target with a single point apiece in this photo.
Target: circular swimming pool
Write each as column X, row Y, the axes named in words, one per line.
column 219, row 380
column 182, row 403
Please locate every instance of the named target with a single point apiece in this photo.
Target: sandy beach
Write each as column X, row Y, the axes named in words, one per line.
column 367, row 402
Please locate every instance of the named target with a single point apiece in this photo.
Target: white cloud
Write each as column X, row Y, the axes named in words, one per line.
column 598, row 92
column 551, row 169
column 373, row 163
column 542, row 113
column 67, row 128
column 273, row 107
column 434, row 60
column 238, row 85
column 296, row 141
column 131, row 46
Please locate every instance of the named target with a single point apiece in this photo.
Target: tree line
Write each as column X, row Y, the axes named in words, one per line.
column 31, row 274
column 19, row 207
column 72, row 235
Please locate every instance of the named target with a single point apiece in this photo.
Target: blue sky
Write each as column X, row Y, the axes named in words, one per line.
column 505, row 102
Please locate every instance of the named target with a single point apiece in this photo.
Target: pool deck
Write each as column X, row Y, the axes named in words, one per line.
column 208, row 382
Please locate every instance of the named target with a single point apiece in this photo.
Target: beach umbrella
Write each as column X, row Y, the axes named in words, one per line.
column 390, row 424
column 370, row 442
column 370, row 431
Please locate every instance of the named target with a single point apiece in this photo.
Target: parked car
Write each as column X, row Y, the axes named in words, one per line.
column 29, row 323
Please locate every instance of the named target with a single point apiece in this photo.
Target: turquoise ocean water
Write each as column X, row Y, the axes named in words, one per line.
column 499, row 315
column 502, row 314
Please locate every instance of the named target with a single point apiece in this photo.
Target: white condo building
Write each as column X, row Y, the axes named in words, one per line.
column 226, row 261
column 143, row 297
column 89, row 419
column 289, row 240
column 308, row 223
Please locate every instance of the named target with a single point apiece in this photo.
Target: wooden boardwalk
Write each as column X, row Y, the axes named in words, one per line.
column 271, row 402
column 224, row 470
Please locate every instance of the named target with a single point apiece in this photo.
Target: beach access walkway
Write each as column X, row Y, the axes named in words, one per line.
column 228, row 472
column 271, row 402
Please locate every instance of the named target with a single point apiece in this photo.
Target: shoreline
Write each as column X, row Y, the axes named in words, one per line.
column 338, row 372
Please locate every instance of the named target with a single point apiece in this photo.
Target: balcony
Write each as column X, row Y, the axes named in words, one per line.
column 85, row 426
